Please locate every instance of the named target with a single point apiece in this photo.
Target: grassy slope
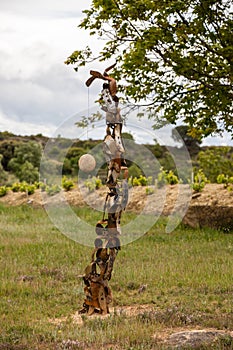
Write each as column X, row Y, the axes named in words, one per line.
column 189, row 277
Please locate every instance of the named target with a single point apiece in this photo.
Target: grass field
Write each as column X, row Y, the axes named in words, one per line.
column 188, row 273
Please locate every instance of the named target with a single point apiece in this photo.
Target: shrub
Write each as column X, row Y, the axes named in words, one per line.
column 171, row 178
column 40, row 185
column 30, row 189
column 15, row 187
column 23, row 187
column 52, row 190
column 149, row 191
column 200, row 181
column 130, row 181
column 216, row 160
column 149, row 180
column 27, row 188
column 136, row 182
column 226, row 180
column 134, row 171
column 142, row 181
column 67, row 184
column 93, row 183
column 222, row 179
column 3, row 191
column 162, row 178
column 98, row 183
column 36, row 184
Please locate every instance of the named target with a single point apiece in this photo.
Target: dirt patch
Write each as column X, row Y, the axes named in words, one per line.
column 128, row 311
column 172, row 338
column 212, row 207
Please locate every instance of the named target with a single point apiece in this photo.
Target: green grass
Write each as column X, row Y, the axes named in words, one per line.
column 189, row 277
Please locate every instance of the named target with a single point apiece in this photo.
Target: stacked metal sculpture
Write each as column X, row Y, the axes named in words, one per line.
column 98, row 273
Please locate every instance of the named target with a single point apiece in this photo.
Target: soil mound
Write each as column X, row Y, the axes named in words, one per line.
column 213, row 207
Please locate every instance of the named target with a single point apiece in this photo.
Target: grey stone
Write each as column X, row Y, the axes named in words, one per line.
column 195, row 338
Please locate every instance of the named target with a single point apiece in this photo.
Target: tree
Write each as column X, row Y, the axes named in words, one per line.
column 28, row 173
column 175, row 55
column 215, row 161
column 3, row 174
column 127, row 135
column 7, row 150
column 26, row 160
column 180, row 133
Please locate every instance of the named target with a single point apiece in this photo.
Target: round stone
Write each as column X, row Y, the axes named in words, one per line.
column 87, row 163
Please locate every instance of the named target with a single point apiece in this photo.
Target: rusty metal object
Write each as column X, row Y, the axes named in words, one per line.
column 98, row 273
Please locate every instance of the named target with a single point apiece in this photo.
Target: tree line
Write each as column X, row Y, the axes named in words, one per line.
column 20, row 158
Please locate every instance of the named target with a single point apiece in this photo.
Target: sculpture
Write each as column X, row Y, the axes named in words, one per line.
column 98, row 273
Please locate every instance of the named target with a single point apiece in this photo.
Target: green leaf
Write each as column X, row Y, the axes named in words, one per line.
column 178, row 54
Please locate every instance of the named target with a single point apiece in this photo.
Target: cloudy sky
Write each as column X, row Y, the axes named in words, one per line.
column 38, row 92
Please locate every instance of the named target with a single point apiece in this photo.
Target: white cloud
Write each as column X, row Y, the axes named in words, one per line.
column 44, row 8
column 30, row 45
column 224, row 140
column 7, row 123
column 36, row 86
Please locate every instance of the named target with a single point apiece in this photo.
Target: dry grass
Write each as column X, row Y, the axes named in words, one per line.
column 188, row 275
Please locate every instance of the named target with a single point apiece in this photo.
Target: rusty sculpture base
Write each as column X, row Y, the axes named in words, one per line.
column 98, row 298
column 97, row 292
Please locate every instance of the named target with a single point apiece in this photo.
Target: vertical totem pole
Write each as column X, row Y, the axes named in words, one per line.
column 98, row 273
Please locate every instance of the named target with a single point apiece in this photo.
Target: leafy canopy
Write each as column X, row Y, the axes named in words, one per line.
column 26, row 161
column 176, row 55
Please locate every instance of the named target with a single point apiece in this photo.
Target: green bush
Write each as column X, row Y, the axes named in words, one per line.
column 223, row 179
column 162, row 178
column 171, row 178
column 149, row 191
column 30, row 189
column 27, row 188
column 149, row 180
column 166, row 177
column 15, row 187
column 36, row 184
column 3, row 173
column 40, row 185
column 23, row 187
column 3, row 191
column 53, row 189
column 200, row 181
column 135, row 181
column 134, row 171
column 130, row 181
column 93, row 183
column 141, row 181
column 226, row 180
column 216, row 160
column 67, row 184
column 98, row 183
column 198, row 187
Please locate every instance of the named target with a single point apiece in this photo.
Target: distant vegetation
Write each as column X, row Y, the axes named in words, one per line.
column 20, row 159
